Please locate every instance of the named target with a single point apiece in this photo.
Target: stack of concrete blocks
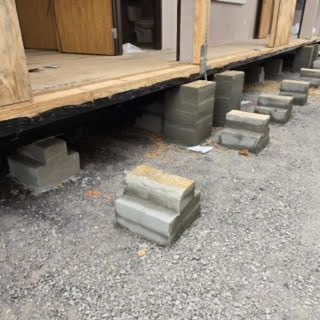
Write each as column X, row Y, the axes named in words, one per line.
column 189, row 112
column 279, row 108
column 311, row 75
column 255, row 74
column 299, row 90
column 273, row 68
column 245, row 130
column 157, row 206
column 229, row 92
column 152, row 118
column 316, row 64
column 316, row 48
column 44, row 164
column 303, row 58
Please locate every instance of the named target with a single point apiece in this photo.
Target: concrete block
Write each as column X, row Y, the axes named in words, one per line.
column 189, row 135
column 245, row 130
column 316, row 64
column 44, row 164
column 279, row 108
column 229, row 92
column 274, row 100
column 303, row 58
column 189, row 112
column 156, row 205
column 150, row 122
column 316, row 48
column 237, row 119
column 310, row 75
column 243, row 139
column 279, row 115
column 295, row 86
column 299, row 90
column 273, row 68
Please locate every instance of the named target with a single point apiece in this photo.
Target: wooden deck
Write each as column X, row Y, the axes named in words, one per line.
column 71, row 80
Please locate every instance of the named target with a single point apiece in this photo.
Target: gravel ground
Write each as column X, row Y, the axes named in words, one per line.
column 253, row 254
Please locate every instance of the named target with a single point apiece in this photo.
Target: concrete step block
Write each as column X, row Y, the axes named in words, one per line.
column 299, row 99
column 169, row 191
column 310, row 73
column 243, row 139
column 316, row 64
column 156, row 205
column 44, row 150
column 189, row 135
column 39, row 177
column 237, row 119
column 295, row 86
column 316, row 48
column 275, row 101
column 279, row 115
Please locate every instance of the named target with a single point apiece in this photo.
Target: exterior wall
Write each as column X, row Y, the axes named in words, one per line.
column 169, row 24
column 232, row 22
column 308, row 27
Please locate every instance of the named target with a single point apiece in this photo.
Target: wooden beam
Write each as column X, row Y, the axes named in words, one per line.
column 265, row 19
column 283, row 15
column 14, row 77
column 194, row 28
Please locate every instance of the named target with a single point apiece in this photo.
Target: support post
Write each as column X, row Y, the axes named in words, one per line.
column 14, row 77
column 194, row 20
column 283, row 14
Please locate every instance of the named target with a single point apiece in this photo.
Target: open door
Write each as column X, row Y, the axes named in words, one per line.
column 86, row 26
column 14, row 77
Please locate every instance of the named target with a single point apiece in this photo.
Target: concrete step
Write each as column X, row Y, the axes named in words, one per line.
column 169, row 191
column 243, row 139
column 237, row 119
column 279, row 115
column 295, row 86
column 275, row 101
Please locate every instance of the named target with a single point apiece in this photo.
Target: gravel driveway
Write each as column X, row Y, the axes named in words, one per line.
column 253, row 254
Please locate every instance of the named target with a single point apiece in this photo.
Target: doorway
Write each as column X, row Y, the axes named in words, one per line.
column 141, row 23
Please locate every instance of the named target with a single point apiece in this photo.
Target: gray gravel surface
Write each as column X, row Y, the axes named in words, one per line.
column 253, row 254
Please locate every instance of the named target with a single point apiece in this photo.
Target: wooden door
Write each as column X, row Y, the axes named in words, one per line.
column 85, row 26
column 14, row 77
column 38, row 25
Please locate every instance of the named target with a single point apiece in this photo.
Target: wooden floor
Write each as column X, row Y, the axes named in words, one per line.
column 68, row 80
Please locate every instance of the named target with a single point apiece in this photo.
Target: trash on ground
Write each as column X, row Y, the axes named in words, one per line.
column 201, row 149
column 129, row 48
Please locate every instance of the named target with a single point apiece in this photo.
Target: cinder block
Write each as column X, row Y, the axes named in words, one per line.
column 316, row 48
column 303, row 58
column 44, row 164
column 156, row 205
column 245, row 130
column 189, row 112
column 229, row 92
column 237, row 119
column 310, row 75
column 189, row 135
column 299, row 90
column 279, row 108
column 316, row 64
column 273, row 68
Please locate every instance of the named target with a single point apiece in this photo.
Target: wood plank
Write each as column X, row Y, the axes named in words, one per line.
column 14, row 77
column 265, row 19
column 144, row 81
column 201, row 27
column 281, row 28
column 85, row 26
column 274, row 24
column 38, row 25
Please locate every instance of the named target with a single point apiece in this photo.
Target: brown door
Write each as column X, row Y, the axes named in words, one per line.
column 85, row 26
